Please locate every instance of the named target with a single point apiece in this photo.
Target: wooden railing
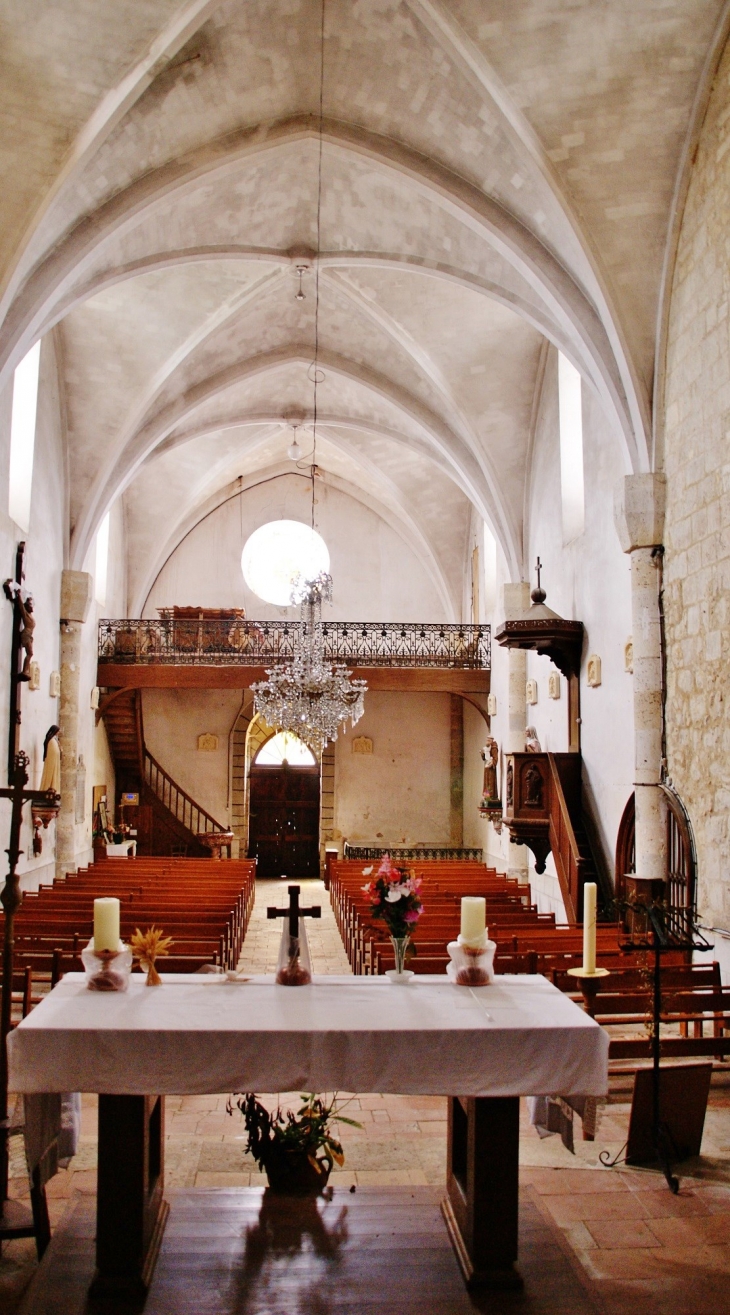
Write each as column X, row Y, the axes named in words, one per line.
column 183, row 808
column 569, row 863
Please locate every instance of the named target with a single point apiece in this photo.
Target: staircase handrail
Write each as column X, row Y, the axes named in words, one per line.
column 564, row 846
column 187, row 811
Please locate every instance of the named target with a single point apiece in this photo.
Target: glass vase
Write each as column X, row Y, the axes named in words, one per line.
column 400, row 947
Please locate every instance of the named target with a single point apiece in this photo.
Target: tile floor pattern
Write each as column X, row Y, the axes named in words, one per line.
column 647, row 1252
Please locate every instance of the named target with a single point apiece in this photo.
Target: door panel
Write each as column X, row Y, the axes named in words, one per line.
column 284, row 821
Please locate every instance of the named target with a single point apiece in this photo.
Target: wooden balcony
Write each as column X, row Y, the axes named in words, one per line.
column 231, row 652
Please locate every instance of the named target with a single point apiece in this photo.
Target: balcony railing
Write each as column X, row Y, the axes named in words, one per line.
column 223, row 642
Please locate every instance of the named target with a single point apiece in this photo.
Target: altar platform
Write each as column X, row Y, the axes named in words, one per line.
column 382, row 1250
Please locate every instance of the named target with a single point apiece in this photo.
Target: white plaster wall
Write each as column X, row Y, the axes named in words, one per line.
column 377, row 577
column 44, row 560
column 400, row 794
column 586, row 580
column 173, row 720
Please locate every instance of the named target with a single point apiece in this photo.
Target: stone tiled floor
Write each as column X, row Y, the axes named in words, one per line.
column 644, row 1251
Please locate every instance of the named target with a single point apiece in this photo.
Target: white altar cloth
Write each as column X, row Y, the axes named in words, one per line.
column 196, row 1035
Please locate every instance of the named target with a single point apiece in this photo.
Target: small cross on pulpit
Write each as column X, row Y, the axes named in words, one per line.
column 294, row 912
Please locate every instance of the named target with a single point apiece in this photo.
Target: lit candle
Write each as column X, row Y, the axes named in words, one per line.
column 106, row 924
column 473, row 917
column 590, row 891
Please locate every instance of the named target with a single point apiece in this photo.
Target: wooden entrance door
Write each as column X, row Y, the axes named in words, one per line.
column 283, row 825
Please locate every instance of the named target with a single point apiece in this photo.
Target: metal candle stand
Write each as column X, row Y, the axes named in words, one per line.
column 15, row 1220
column 670, row 930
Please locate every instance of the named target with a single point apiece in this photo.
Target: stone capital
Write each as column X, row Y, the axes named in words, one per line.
column 639, row 506
column 76, row 589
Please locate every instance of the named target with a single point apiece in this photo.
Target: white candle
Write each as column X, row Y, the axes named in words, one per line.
column 473, row 917
column 590, row 891
column 106, row 923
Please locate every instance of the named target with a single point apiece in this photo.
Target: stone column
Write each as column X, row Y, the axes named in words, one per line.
column 76, row 589
column 640, row 503
column 516, row 602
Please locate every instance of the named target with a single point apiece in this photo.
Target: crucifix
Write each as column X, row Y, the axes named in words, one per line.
column 538, row 568
column 294, row 967
column 294, row 912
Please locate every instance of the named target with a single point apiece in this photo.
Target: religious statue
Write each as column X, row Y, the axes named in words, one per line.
column 533, row 783
column 490, row 758
column 532, row 744
column 43, row 812
column 25, row 638
column 51, row 778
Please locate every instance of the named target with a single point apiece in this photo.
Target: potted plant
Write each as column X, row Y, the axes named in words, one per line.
column 296, row 1151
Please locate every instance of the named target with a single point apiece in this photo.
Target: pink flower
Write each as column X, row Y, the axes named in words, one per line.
column 412, row 915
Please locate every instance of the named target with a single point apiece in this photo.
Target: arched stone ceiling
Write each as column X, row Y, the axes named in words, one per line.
column 495, row 173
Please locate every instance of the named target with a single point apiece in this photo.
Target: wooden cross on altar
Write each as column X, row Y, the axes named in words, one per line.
column 294, row 913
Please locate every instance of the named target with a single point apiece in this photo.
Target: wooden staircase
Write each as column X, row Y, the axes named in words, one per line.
column 571, row 848
column 168, row 821
column 545, row 810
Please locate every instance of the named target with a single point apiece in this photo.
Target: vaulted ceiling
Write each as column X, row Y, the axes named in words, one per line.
column 495, row 174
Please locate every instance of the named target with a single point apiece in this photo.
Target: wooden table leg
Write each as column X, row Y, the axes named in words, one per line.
column 130, row 1210
column 482, row 1188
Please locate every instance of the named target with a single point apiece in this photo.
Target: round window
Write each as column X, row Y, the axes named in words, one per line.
column 276, row 554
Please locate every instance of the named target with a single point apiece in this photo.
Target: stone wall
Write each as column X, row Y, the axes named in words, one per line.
column 697, row 534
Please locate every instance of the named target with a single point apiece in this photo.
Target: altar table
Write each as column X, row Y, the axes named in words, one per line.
column 483, row 1048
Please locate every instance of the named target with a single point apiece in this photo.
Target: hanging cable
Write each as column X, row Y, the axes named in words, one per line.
column 319, row 244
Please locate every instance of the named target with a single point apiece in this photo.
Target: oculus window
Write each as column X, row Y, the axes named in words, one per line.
column 276, row 554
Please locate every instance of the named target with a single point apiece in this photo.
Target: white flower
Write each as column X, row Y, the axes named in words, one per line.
column 395, row 892
column 366, row 871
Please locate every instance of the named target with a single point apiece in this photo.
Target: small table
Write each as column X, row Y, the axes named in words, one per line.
column 125, row 849
column 199, row 1035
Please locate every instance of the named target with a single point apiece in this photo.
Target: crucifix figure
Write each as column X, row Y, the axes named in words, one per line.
column 294, row 967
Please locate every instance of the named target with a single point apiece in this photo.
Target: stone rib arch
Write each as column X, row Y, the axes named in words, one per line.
column 562, row 295
column 401, row 523
column 468, row 467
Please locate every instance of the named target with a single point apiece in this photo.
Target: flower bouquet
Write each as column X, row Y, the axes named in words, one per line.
column 395, row 898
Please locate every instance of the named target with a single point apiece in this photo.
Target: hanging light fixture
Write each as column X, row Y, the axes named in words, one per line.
column 310, row 696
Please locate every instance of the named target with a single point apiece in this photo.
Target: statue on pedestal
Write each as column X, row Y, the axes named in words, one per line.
column 491, row 804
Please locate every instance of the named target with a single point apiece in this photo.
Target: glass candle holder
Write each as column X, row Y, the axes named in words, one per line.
column 471, row 964
column 294, row 967
column 107, row 970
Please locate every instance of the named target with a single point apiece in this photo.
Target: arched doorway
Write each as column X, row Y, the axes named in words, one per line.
column 283, row 826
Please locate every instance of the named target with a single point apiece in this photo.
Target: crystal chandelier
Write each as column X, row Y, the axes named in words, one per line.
column 310, row 696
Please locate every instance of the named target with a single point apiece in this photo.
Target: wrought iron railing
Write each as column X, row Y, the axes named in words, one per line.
column 416, row 852
column 217, row 642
